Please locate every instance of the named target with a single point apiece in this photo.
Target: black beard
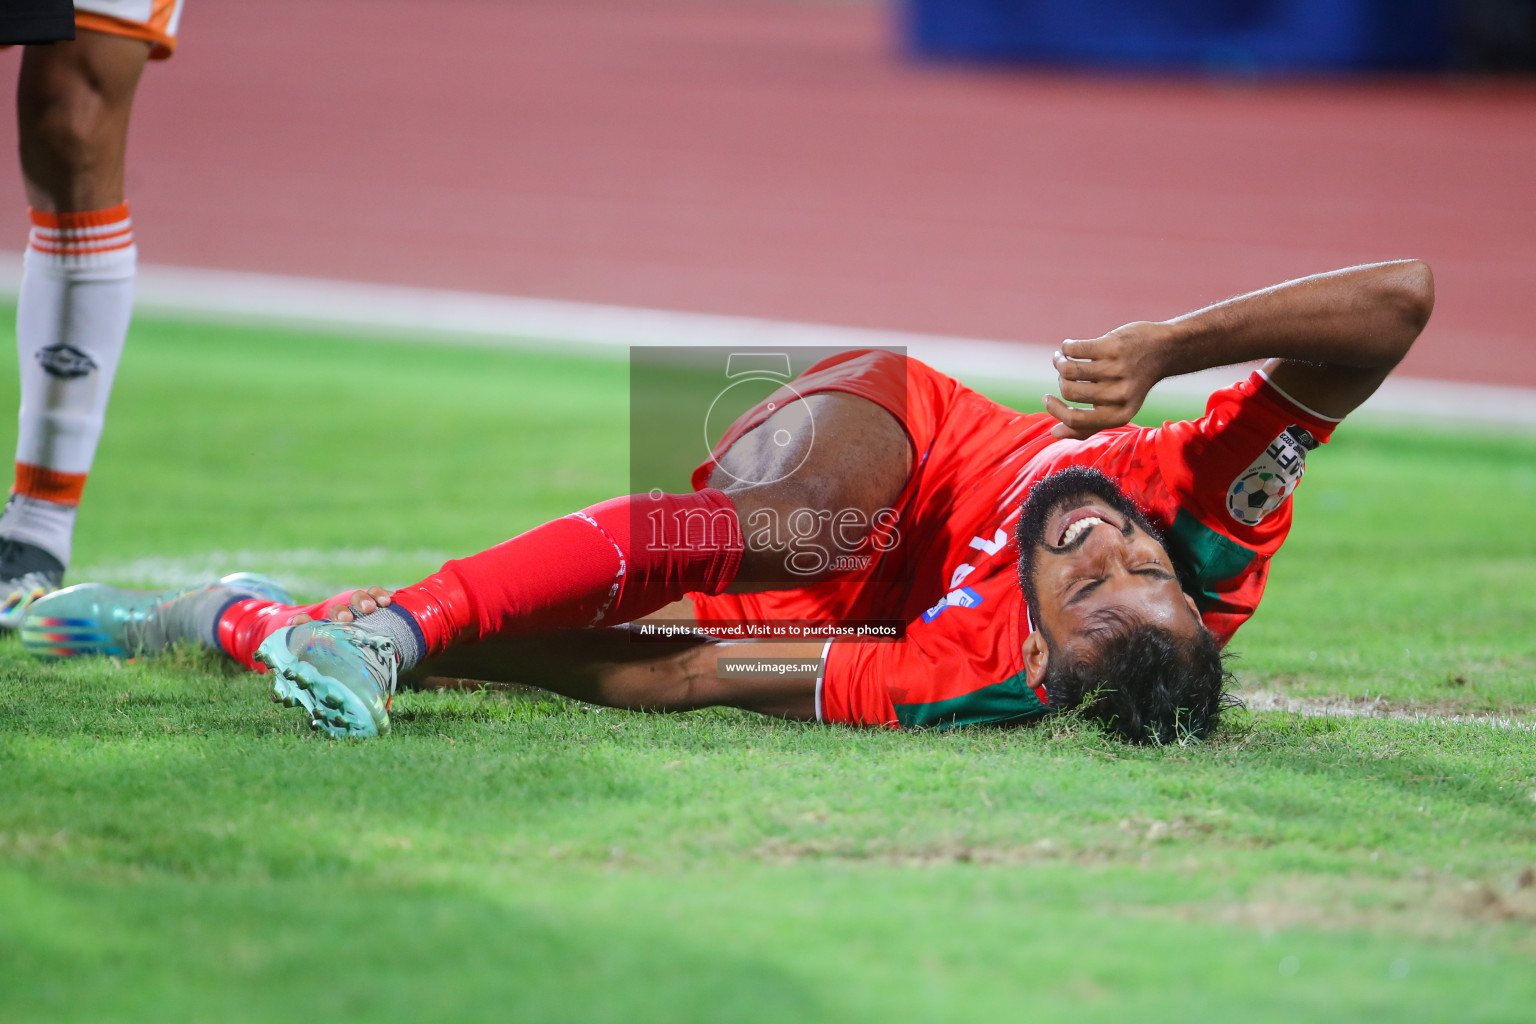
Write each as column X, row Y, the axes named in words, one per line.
column 1048, row 494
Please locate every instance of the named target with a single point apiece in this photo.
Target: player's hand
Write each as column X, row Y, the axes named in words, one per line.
column 1111, row 374
column 359, row 602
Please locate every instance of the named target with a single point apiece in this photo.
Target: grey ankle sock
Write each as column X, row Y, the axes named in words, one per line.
column 193, row 616
column 399, row 626
column 204, row 610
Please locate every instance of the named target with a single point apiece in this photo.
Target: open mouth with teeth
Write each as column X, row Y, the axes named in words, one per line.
column 1075, row 524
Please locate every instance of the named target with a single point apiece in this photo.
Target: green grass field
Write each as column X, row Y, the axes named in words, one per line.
column 175, row 847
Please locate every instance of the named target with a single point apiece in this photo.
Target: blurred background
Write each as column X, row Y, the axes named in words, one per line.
column 998, row 169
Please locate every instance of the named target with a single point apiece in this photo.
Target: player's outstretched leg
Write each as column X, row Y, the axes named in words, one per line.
column 582, row 570
column 97, row 619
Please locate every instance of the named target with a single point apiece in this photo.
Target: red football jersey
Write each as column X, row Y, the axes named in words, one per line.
column 1218, row 488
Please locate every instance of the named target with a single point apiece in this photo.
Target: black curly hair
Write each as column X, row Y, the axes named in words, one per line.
column 1145, row 683
column 1142, row 682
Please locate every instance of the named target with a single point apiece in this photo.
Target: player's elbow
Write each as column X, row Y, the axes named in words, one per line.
column 1413, row 293
column 1402, row 296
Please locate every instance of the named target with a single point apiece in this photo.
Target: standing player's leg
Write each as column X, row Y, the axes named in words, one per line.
column 73, row 102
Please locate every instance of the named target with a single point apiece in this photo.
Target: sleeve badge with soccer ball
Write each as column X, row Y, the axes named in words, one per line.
column 1270, row 478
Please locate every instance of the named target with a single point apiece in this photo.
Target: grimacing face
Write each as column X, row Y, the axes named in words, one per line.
column 1090, row 563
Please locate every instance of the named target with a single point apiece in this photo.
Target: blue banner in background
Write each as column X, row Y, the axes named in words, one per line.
column 1232, row 36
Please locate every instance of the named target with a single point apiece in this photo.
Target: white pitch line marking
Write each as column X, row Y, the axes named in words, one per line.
column 304, row 570
column 1347, row 707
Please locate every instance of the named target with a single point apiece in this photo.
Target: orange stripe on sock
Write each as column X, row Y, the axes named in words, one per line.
column 79, row 249
column 83, row 219
column 58, row 235
column 49, row 484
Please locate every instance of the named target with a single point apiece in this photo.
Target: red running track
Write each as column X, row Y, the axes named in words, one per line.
column 778, row 159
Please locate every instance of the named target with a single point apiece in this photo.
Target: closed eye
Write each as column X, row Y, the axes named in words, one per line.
column 1085, row 590
column 1155, row 572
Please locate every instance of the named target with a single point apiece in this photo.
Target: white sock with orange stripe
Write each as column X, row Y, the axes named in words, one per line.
column 71, row 321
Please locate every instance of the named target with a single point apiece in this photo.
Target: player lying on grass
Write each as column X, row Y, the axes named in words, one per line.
column 1038, row 561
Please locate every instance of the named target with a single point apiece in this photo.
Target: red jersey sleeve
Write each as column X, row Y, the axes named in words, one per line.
column 1228, row 478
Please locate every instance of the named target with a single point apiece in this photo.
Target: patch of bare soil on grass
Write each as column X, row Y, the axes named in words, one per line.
column 1131, row 841
column 1433, row 907
column 1427, row 905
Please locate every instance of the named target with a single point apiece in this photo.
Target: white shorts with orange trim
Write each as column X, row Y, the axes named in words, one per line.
column 154, row 21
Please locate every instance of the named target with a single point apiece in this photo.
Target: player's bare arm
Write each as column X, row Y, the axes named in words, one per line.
column 609, row 668
column 1330, row 339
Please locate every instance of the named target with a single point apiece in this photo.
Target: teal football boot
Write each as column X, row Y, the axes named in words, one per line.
column 96, row 619
column 343, row 675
